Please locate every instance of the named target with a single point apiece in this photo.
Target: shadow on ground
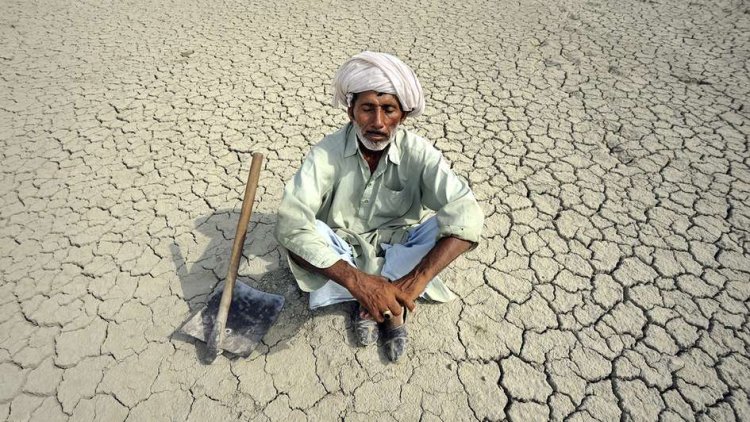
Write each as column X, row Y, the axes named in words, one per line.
column 261, row 267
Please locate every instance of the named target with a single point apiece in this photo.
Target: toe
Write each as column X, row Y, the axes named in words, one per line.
column 396, row 340
column 367, row 334
column 396, row 348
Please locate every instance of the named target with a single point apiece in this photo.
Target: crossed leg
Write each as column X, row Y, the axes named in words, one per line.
column 399, row 259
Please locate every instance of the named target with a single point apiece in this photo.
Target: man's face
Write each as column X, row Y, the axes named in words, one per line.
column 377, row 114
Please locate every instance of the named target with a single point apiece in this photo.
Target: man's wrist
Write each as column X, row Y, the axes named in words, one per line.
column 344, row 274
column 420, row 276
column 415, row 282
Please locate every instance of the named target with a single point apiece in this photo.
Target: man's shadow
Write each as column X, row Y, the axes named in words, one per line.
column 262, row 266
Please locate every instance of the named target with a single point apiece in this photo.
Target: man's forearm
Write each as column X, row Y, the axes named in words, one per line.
column 340, row 272
column 374, row 293
column 445, row 251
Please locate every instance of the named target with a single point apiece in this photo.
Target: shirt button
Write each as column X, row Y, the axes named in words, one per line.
column 365, row 201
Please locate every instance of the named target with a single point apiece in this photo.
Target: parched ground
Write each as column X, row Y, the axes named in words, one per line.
column 607, row 142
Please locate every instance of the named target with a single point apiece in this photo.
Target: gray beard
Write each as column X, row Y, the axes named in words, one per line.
column 374, row 146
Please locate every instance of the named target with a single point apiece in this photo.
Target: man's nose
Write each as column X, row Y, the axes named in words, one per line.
column 379, row 119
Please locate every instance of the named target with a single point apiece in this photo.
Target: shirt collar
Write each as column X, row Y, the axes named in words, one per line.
column 394, row 152
column 352, row 146
column 351, row 141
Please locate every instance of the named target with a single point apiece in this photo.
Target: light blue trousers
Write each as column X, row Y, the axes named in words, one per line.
column 399, row 259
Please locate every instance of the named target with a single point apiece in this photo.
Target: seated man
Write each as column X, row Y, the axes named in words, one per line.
column 375, row 212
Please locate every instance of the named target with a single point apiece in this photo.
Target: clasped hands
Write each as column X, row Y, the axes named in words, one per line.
column 377, row 295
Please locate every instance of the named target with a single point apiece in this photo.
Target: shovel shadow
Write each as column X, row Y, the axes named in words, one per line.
column 262, row 266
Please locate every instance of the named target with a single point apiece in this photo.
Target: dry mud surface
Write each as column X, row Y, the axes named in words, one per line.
column 606, row 141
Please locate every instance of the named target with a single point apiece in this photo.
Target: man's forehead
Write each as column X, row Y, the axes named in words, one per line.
column 377, row 97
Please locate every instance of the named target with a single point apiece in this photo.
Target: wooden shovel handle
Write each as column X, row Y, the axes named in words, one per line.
column 217, row 334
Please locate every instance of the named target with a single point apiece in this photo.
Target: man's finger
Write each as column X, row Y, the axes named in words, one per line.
column 396, row 309
column 411, row 305
column 364, row 314
column 369, row 312
column 405, row 301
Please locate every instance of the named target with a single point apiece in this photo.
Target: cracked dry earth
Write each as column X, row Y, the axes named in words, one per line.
column 607, row 143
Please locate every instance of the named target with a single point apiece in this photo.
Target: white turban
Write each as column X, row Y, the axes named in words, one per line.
column 380, row 72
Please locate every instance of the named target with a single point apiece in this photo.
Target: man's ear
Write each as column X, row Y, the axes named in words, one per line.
column 403, row 116
column 350, row 112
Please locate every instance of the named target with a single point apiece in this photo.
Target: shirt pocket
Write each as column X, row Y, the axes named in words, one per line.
column 393, row 203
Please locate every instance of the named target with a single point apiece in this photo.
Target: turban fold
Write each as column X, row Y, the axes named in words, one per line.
column 380, row 72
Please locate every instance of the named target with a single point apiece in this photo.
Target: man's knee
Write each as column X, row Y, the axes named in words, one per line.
column 323, row 228
column 425, row 233
column 334, row 241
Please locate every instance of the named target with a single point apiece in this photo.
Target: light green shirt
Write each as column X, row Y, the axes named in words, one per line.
column 411, row 183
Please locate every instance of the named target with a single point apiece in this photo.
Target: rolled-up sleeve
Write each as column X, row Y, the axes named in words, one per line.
column 458, row 213
column 295, row 229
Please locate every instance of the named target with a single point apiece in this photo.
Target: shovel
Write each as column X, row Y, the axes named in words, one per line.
column 253, row 311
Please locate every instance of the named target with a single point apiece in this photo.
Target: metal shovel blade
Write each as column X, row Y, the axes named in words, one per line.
column 251, row 314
